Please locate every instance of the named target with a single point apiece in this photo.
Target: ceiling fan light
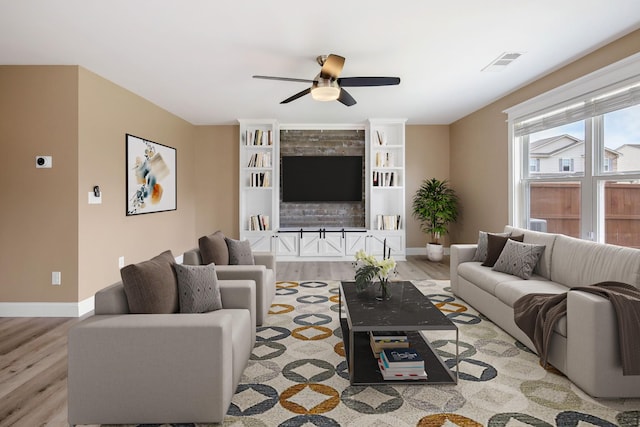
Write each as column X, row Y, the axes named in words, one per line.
column 325, row 89
column 325, row 93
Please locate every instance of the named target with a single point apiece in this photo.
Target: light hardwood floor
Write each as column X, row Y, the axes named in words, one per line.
column 33, row 351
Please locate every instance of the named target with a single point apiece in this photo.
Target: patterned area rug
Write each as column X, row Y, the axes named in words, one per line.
column 298, row 375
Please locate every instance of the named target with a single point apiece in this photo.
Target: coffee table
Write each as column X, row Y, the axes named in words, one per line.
column 408, row 310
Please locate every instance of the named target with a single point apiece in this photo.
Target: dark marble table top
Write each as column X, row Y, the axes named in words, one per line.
column 407, row 310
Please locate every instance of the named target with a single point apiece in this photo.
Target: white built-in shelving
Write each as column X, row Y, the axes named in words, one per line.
column 259, row 161
column 385, row 195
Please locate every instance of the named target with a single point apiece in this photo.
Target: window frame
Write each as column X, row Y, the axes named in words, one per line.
column 592, row 181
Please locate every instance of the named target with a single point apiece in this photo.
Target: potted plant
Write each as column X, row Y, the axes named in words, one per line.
column 435, row 205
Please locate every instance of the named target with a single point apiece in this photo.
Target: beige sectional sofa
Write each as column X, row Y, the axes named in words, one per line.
column 159, row 368
column 584, row 345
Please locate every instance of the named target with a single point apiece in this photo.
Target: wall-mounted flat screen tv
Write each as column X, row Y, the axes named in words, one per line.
column 321, row 178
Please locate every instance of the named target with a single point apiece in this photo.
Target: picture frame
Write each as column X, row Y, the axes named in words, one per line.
column 151, row 176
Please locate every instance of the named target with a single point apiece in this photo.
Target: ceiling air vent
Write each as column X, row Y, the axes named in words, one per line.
column 502, row 61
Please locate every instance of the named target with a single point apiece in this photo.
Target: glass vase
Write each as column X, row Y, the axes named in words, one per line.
column 384, row 290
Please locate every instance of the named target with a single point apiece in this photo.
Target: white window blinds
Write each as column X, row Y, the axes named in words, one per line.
column 595, row 104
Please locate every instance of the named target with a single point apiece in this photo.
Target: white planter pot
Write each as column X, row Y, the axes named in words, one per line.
column 435, row 252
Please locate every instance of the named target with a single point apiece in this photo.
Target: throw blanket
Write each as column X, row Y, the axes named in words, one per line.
column 536, row 315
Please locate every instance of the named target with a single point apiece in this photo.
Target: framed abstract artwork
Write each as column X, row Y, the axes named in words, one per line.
column 151, row 176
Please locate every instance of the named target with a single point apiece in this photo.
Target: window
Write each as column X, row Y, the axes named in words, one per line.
column 534, row 165
column 566, row 165
column 575, row 158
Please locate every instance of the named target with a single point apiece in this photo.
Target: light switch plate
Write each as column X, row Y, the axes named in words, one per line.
column 93, row 200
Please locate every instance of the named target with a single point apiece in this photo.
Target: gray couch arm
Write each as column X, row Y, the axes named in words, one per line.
column 268, row 259
column 264, row 284
column 111, row 300
column 458, row 255
column 148, row 368
column 240, row 294
column 592, row 329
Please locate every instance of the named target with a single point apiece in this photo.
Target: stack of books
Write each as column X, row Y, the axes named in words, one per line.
column 401, row 364
column 387, row 339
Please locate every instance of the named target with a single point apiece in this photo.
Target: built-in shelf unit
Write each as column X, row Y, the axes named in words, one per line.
column 384, row 196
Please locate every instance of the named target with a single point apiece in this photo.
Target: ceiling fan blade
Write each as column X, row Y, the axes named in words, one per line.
column 368, row 81
column 332, row 67
column 296, row 96
column 345, row 98
column 286, row 79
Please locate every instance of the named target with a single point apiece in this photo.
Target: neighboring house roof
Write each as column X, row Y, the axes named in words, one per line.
column 549, row 147
column 623, row 146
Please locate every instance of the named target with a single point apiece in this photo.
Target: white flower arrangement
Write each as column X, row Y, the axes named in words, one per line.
column 369, row 267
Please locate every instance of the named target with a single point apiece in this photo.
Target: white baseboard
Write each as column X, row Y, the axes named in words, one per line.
column 46, row 309
column 423, row 251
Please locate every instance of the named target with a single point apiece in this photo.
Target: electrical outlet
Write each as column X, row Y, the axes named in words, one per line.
column 121, row 262
column 56, row 278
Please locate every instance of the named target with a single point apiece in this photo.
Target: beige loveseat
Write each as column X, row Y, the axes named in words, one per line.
column 584, row 345
column 263, row 273
column 159, row 368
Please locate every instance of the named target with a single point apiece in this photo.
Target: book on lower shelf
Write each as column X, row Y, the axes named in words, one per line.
column 404, row 358
column 401, row 374
column 258, row 222
column 380, row 342
column 388, row 222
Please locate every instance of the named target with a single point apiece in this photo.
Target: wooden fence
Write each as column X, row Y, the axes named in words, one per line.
column 559, row 205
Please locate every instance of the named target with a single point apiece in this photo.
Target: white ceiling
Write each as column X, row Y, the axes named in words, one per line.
column 195, row 58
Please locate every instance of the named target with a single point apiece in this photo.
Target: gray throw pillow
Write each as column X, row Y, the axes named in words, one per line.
column 519, row 259
column 151, row 286
column 239, row 252
column 483, row 241
column 213, row 249
column 198, row 288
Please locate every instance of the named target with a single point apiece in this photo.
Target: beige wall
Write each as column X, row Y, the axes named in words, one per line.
column 39, row 214
column 217, row 180
column 80, row 119
column 479, row 143
column 427, row 156
column 107, row 113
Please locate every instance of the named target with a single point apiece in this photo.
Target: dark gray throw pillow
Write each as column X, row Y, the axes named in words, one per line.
column 151, row 286
column 213, row 249
column 198, row 288
column 239, row 252
column 483, row 241
column 495, row 245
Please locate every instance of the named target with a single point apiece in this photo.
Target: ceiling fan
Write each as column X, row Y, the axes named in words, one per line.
column 328, row 86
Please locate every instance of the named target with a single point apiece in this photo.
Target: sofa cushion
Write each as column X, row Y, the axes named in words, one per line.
column 495, row 245
column 518, row 259
column 198, row 288
column 481, row 249
column 543, row 268
column 483, row 277
column 577, row 262
column 510, row 291
column 151, row 286
column 213, row 249
column 239, row 252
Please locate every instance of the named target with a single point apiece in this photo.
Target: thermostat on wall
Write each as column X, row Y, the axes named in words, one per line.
column 44, row 161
